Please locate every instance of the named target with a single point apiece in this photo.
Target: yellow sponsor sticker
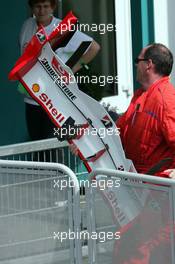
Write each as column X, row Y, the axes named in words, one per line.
column 35, row 87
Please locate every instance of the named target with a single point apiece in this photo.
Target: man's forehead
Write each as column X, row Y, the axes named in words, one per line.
column 43, row 3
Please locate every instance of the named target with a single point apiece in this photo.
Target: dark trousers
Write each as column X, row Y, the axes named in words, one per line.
column 41, row 127
column 38, row 123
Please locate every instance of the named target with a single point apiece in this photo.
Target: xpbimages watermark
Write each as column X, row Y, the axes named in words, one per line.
column 85, row 235
column 101, row 184
column 102, row 28
column 76, row 131
column 101, row 80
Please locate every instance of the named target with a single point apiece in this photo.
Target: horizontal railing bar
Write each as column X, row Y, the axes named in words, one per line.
column 32, row 146
column 132, row 175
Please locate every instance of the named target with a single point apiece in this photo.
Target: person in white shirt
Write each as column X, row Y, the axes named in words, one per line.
column 38, row 124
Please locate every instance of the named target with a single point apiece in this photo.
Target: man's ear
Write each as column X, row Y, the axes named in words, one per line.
column 150, row 64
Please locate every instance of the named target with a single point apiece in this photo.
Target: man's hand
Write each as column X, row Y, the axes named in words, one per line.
column 171, row 173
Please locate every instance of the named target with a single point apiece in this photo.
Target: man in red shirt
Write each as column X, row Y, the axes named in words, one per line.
column 148, row 126
column 148, row 136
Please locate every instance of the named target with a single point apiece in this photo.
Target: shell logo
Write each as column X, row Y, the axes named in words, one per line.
column 35, row 87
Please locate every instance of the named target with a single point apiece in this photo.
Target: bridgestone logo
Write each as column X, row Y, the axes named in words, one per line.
column 57, row 79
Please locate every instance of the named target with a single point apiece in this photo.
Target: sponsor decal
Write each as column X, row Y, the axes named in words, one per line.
column 57, row 79
column 106, row 121
column 41, row 36
column 152, row 114
column 35, row 88
column 121, row 168
column 60, row 70
column 51, row 108
column 115, row 205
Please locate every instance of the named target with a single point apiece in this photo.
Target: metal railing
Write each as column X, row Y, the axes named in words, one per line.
column 115, row 239
column 47, row 150
column 36, row 215
column 149, row 236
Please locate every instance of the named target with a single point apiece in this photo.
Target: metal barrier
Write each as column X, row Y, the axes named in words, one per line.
column 31, row 215
column 47, row 150
column 38, row 210
column 148, row 238
column 50, row 150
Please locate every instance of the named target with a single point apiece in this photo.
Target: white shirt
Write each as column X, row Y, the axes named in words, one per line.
column 30, row 27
